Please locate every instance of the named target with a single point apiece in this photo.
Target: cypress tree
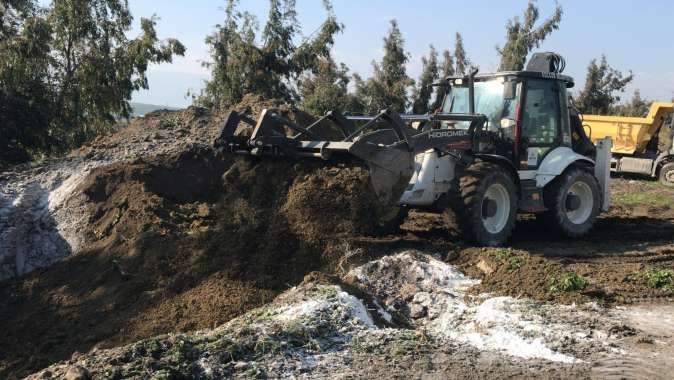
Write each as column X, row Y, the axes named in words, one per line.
column 603, row 84
column 447, row 71
column 522, row 36
column 387, row 89
column 424, row 90
column 460, row 58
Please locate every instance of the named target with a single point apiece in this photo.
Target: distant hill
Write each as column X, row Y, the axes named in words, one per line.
column 140, row 109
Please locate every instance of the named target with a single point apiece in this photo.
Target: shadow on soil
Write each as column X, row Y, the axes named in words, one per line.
column 611, row 236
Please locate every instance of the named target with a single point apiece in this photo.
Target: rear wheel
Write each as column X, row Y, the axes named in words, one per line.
column 667, row 174
column 573, row 201
column 484, row 201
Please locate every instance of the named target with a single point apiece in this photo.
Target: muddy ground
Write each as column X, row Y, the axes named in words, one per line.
column 149, row 232
column 407, row 315
column 636, row 236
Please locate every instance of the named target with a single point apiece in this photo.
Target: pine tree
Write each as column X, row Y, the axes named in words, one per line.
column 327, row 89
column 424, row 90
column 602, row 86
column 523, row 36
column 447, row 71
column 387, row 89
column 278, row 48
column 234, row 60
column 239, row 65
column 447, row 64
column 460, row 58
column 636, row 107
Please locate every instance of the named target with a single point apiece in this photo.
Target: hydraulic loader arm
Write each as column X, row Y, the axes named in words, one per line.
column 384, row 142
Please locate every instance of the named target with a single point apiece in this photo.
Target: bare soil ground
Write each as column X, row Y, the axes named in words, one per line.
column 169, row 237
column 630, row 241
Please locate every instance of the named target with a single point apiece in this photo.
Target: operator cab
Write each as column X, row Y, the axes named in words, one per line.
column 527, row 109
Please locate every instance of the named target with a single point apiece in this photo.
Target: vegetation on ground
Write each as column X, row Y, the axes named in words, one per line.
column 569, row 282
column 659, row 278
column 649, row 199
column 507, row 257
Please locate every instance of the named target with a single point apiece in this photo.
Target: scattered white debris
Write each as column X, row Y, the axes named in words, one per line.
column 356, row 308
column 439, row 305
column 497, row 324
column 303, row 309
column 331, row 298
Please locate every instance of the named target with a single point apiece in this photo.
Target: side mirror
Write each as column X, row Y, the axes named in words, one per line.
column 509, row 90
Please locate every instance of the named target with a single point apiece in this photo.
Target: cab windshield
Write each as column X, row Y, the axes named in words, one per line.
column 489, row 101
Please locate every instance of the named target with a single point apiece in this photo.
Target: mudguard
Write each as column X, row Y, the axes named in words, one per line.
column 556, row 162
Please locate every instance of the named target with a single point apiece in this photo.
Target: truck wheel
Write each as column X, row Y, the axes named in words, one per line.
column 667, row 174
column 484, row 201
column 573, row 201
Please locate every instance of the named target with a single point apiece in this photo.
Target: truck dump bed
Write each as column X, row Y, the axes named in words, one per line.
column 630, row 134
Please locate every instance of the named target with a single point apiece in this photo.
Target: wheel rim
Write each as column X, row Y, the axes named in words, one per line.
column 582, row 213
column 669, row 176
column 498, row 194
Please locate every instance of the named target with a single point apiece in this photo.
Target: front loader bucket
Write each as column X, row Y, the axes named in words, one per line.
column 380, row 144
column 391, row 167
column 383, row 143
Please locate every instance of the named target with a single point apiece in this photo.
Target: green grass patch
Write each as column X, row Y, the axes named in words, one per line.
column 507, row 257
column 634, row 199
column 659, row 278
column 570, row 282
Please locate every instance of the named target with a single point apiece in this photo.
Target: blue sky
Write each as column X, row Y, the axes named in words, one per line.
column 634, row 35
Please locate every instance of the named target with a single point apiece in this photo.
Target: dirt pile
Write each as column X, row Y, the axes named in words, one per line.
column 184, row 240
column 42, row 217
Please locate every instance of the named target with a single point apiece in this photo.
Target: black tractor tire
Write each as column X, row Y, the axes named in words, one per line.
column 667, row 174
column 564, row 218
column 477, row 216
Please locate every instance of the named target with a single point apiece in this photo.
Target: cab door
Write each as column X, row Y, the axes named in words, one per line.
column 541, row 121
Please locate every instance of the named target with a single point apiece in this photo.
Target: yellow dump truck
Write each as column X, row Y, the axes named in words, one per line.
column 638, row 145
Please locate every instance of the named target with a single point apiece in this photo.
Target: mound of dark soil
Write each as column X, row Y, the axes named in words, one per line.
column 181, row 242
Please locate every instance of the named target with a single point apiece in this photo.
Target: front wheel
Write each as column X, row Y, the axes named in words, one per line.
column 484, row 201
column 667, row 174
column 573, row 201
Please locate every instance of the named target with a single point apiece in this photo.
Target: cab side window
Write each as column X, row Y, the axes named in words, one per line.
column 540, row 120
